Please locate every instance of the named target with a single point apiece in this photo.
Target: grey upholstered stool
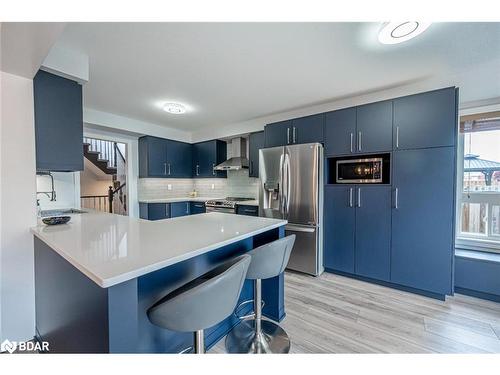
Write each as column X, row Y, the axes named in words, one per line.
column 203, row 302
column 257, row 335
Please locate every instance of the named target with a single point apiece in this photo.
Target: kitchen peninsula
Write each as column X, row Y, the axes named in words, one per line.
column 96, row 276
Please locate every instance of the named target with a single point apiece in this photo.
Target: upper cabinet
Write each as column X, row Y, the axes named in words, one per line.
column 426, row 120
column 276, row 134
column 374, row 127
column 58, row 123
column 160, row 157
column 256, row 142
column 363, row 129
column 307, row 129
column 340, row 130
column 179, row 159
column 206, row 155
column 152, row 157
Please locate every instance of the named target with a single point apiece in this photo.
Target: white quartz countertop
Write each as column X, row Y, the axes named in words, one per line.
column 111, row 249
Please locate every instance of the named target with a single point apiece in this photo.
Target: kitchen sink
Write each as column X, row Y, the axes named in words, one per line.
column 61, row 212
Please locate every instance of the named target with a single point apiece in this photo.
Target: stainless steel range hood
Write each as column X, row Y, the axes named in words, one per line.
column 238, row 159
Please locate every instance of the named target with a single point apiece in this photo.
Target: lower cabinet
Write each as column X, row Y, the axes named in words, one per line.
column 154, row 211
column 247, row 210
column 373, row 232
column 339, row 226
column 423, row 219
column 198, row 208
column 357, row 230
column 178, row 209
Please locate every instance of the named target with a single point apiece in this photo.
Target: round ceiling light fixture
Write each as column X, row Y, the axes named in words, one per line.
column 399, row 32
column 174, row 108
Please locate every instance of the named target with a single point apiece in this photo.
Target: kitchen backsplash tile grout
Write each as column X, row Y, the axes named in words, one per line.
column 237, row 184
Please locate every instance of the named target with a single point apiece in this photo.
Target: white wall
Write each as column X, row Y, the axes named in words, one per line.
column 67, row 187
column 18, row 212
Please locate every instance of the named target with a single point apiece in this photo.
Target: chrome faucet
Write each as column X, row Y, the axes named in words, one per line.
column 50, row 194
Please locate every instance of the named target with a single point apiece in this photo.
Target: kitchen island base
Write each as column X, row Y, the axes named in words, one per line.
column 75, row 315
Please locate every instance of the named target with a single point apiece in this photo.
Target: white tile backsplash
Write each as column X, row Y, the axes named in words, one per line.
column 237, row 184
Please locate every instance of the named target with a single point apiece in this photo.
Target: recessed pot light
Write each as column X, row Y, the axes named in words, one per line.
column 398, row 32
column 174, row 108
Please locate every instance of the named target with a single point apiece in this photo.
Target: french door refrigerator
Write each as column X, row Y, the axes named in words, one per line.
column 291, row 188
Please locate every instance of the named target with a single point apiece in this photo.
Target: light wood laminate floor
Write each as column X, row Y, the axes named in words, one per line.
column 335, row 314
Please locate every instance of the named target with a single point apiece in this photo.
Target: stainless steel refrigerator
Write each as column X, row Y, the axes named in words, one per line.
column 291, row 181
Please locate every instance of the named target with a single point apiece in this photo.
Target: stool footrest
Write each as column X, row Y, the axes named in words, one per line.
column 244, row 303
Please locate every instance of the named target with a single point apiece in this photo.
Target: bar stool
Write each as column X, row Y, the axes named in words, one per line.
column 203, row 302
column 256, row 335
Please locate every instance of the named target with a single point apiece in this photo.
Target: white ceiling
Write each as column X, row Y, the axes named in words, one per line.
column 234, row 72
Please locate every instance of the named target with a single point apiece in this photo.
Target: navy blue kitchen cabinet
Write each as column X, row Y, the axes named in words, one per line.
column 373, row 231
column 339, row 226
column 178, row 209
column 179, row 159
column 206, row 155
column 160, row 157
column 278, row 133
column 58, row 123
column 357, row 230
column 152, row 157
column 197, row 208
column 247, row 210
column 426, row 120
column 308, row 129
column 423, row 219
column 374, row 127
column 256, row 142
column 154, row 211
column 340, row 132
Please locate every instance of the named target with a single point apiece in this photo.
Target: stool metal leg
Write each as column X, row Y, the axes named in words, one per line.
column 199, row 342
column 257, row 335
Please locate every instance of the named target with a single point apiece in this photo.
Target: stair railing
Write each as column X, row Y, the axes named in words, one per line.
column 111, row 197
column 106, row 149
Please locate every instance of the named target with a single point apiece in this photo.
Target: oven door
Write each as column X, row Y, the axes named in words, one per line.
column 359, row 171
column 220, row 209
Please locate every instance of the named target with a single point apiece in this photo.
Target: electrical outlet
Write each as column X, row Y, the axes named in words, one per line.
column 169, row 187
column 213, row 186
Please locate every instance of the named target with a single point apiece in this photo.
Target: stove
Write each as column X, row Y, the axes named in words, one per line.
column 227, row 205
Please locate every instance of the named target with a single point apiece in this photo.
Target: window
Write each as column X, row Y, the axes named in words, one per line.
column 479, row 202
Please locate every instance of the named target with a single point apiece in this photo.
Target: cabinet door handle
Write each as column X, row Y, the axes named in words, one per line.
column 213, row 169
column 396, row 198
column 350, row 197
column 251, row 167
column 165, row 168
column 397, row 136
column 359, row 141
column 359, row 197
column 166, row 210
column 294, row 135
column 197, row 169
column 288, row 136
column 187, row 207
column 352, row 142
column 169, row 169
column 250, row 211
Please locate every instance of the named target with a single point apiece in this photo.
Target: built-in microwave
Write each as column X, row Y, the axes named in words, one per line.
column 359, row 171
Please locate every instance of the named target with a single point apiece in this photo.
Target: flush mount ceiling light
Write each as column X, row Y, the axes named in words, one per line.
column 174, row 108
column 398, row 32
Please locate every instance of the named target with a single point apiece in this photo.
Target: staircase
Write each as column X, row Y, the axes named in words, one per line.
column 101, row 153
column 107, row 156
